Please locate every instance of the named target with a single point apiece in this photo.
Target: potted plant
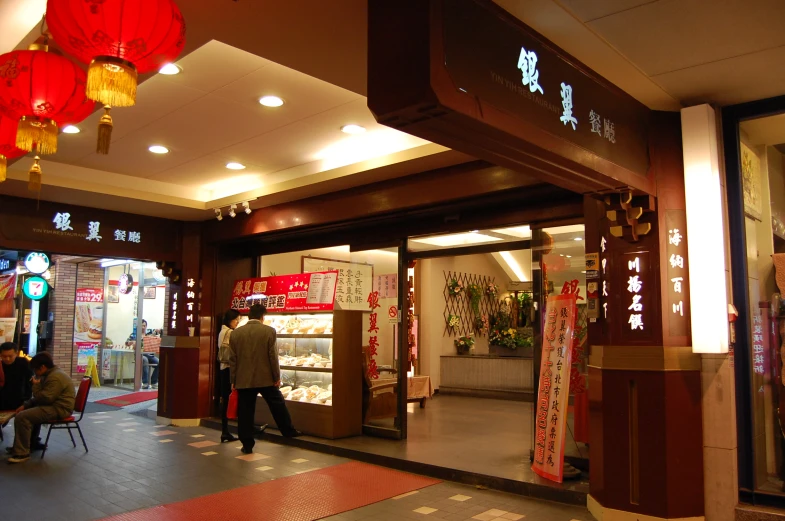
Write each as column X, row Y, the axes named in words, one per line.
column 464, row 344
column 504, row 339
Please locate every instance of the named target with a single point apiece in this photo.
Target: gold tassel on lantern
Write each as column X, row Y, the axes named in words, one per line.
column 34, row 183
column 104, row 132
column 112, row 81
column 37, row 132
column 3, row 168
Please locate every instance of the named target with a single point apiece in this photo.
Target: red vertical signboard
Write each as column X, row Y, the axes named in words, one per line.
column 554, row 390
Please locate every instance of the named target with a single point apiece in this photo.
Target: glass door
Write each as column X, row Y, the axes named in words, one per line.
column 123, row 331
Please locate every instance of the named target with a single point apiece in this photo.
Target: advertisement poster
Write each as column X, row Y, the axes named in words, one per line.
column 285, row 293
column 7, row 286
column 354, row 280
column 85, row 350
column 26, row 323
column 106, row 361
column 7, row 328
column 89, row 315
column 554, row 390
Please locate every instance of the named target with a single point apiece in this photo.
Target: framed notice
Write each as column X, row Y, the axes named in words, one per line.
column 554, row 391
column 355, row 280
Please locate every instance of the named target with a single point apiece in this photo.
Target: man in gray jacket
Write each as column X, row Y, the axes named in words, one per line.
column 53, row 399
column 254, row 369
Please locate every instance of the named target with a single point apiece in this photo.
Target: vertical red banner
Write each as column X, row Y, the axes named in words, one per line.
column 553, row 394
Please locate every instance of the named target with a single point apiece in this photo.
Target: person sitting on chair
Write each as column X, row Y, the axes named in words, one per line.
column 53, row 399
column 18, row 385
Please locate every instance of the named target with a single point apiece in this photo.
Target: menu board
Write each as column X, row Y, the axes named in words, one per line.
column 354, row 280
column 286, row 293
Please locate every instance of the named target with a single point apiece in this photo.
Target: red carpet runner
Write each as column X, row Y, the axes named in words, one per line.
column 129, row 399
column 303, row 497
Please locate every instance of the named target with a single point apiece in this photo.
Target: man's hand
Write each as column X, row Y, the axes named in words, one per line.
column 278, row 383
column 20, row 409
column 35, row 380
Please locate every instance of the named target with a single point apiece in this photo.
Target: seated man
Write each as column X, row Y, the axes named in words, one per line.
column 53, row 399
column 18, row 386
column 148, row 359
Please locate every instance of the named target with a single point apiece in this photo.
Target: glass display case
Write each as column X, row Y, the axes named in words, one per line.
column 320, row 356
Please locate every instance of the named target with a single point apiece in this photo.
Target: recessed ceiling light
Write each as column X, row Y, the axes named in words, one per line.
column 170, row 69
column 578, row 239
column 569, row 256
column 352, row 129
column 70, row 129
column 158, row 149
column 271, row 101
column 235, row 166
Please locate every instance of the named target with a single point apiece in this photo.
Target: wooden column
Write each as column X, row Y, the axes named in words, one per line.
column 644, row 381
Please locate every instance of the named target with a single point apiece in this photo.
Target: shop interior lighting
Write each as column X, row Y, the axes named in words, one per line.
column 247, row 207
column 235, row 166
column 457, row 239
column 71, row 129
column 521, row 232
column 158, row 149
column 271, row 101
column 513, row 264
column 352, row 129
column 218, row 214
column 578, row 239
column 232, row 212
column 170, row 69
column 106, row 263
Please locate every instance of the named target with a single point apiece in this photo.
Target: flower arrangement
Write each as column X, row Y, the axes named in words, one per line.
column 474, row 292
column 464, row 344
column 492, row 290
column 454, row 287
column 481, row 324
column 453, row 321
column 508, row 338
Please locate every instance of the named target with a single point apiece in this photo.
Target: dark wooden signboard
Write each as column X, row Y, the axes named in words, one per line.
column 468, row 75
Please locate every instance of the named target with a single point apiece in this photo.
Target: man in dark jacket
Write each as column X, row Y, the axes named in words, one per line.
column 53, row 399
column 18, row 385
column 254, row 369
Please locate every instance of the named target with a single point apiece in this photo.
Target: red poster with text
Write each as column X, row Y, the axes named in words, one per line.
column 285, row 293
column 89, row 295
column 554, row 389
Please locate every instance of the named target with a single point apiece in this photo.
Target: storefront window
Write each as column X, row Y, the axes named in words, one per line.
column 762, row 158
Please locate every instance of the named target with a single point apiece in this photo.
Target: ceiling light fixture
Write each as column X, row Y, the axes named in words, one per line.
column 352, row 129
column 247, row 207
column 235, row 166
column 578, row 239
column 170, row 69
column 232, row 212
column 158, row 149
column 271, row 101
column 70, row 129
column 218, row 214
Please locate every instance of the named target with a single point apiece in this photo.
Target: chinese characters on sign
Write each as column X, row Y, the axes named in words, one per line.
column 373, row 329
column 677, row 273
column 386, row 285
column 604, row 264
column 188, row 311
column 554, row 387
column 566, row 102
column 527, row 63
column 355, row 280
column 62, row 222
column 296, row 292
column 635, row 287
column 758, row 348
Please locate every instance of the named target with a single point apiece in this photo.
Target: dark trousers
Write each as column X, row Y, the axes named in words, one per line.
column 246, row 409
column 147, row 359
column 225, row 391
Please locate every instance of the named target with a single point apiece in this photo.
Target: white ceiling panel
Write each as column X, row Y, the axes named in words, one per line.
column 765, row 131
column 670, row 35
column 588, row 10
column 215, row 65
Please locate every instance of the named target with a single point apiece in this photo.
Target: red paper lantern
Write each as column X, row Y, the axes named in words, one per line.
column 42, row 91
column 119, row 39
column 8, row 148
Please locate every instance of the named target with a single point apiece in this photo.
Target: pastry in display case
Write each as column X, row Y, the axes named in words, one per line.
column 320, row 356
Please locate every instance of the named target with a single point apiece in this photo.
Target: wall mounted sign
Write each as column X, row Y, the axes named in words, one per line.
column 37, row 262
column 284, row 293
column 125, row 283
column 7, row 264
column 677, row 273
column 35, row 288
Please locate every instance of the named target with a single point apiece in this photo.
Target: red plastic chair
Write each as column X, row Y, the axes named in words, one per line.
column 72, row 422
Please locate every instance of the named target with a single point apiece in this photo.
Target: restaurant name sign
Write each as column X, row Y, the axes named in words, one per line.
column 284, row 293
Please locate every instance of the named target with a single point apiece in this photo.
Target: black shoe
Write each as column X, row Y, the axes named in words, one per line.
column 37, row 447
column 227, row 438
column 246, row 451
column 293, row 434
column 260, row 431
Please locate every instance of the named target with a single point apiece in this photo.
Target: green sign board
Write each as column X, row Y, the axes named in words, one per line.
column 35, row 288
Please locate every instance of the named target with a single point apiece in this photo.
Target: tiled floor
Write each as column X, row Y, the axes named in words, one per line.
column 152, row 465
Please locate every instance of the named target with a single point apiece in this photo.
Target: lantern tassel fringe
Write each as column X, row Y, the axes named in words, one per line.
column 3, row 168
column 105, row 126
column 34, row 182
column 34, row 133
column 111, row 83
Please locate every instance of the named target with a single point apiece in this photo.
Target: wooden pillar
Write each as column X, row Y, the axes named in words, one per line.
column 644, row 381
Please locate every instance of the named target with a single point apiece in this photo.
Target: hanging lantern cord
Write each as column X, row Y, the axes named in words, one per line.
column 105, row 126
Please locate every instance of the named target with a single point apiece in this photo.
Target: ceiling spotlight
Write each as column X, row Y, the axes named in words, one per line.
column 232, row 212
column 352, row 129
column 218, row 214
column 158, row 149
column 235, row 166
column 247, row 208
column 170, row 69
column 70, row 129
column 569, row 256
column 578, row 239
column 271, row 101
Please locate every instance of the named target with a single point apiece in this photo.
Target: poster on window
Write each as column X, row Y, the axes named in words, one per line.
column 286, row 293
column 355, row 280
column 84, row 351
column 554, row 388
column 89, row 315
column 8, row 286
